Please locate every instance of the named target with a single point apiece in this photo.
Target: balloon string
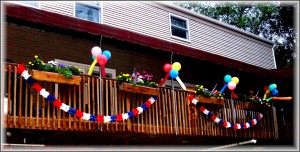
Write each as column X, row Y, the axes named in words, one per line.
column 92, row 67
column 103, row 71
column 164, row 80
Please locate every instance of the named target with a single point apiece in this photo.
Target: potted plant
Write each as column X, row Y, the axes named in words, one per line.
column 205, row 96
column 138, row 83
column 54, row 72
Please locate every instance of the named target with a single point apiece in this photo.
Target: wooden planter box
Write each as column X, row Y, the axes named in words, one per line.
column 210, row 100
column 127, row 87
column 54, row 77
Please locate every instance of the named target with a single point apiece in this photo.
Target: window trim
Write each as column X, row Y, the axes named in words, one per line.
column 86, row 67
column 187, row 24
column 177, row 85
column 89, row 5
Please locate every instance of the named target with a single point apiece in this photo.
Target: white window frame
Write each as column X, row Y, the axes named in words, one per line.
column 187, row 25
column 85, row 67
column 89, row 5
column 24, row 4
column 168, row 83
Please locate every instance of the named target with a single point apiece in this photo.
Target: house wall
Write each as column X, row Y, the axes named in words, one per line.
column 25, row 39
column 152, row 19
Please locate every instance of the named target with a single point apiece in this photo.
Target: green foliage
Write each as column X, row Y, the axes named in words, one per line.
column 38, row 64
column 200, row 90
column 143, row 79
column 273, row 21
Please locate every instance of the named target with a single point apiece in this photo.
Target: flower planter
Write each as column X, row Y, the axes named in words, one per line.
column 210, row 100
column 127, row 87
column 54, row 77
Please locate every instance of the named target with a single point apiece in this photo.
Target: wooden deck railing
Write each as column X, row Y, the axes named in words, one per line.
column 29, row 110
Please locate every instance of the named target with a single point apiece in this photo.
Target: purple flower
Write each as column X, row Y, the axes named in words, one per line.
column 62, row 65
column 137, row 73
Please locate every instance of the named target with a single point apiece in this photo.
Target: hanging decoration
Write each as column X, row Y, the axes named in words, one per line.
column 99, row 57
column 85, row 116
column 224, row 123
column 231, row 83
column 173, row 72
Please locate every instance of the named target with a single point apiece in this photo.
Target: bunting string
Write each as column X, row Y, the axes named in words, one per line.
column 225, row 123
column 85, row 116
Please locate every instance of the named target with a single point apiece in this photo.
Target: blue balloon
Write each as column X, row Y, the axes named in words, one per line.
column 174, row 73
column 274, row 92
column 107, row 54
column 93, row 57
column 272, row 87
column 224, row 87
column 227, row 78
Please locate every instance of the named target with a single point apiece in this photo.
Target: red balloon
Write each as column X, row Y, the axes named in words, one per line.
column 101, row 59
column 167, row 67
column 266, row 88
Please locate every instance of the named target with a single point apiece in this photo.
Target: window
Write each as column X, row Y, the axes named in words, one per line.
column 179, row 27
column 189, row 86
column 34, row 4
column 88, row 10
column 110, row 73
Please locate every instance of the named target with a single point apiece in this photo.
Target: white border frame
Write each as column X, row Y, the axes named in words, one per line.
column 188, row 27
column 100, row 7
column 24, row 4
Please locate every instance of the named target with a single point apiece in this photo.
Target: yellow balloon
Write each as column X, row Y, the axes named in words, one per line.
column 176, row 66
column 275, row 85
column 92, row 67
column 235, row 80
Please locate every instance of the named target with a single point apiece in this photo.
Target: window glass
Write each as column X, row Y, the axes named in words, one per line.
column 87, row 12
column 179, row 27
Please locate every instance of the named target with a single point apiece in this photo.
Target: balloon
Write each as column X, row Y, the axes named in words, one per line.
column 272, row 87
column 176, row 66
column 181, row 83
column 275, row 85
column 101, row 59
column 274, row 92
column 235, row 80
column 107, row 54
column 174, row 73
column 231, row 85
column 93, row 57
column 167, row 67
column 96, row 51
column 92, row 67
column 225, row 85
column 227, row 78
column 266, row 88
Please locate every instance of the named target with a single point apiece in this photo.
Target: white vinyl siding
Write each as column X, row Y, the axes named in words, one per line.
column 152, row 19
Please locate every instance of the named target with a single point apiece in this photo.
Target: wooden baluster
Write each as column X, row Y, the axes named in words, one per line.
column 26, row 104
column 112, row 105
column 116, row 103
column 81, row 100
column 89, row 102
column 37, row 110
column 21, row 125
column 92, row 102
column 70, row 104
column 171, row 110
column 15, row 98
column 106, row 102
column 74, row 105
column 9, row 104
column 98, row 103
column 157, row 113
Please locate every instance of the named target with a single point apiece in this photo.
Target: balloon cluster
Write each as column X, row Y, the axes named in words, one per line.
column 231, row 83
column 271, row 89
column 173, row 72
column 99, row 57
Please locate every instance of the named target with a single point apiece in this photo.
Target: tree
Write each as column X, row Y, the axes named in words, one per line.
column 273, row 21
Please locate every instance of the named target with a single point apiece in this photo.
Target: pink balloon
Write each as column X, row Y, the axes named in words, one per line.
column 231, row 85
column 101, row 59
column 167, row 67
column 96, row 51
